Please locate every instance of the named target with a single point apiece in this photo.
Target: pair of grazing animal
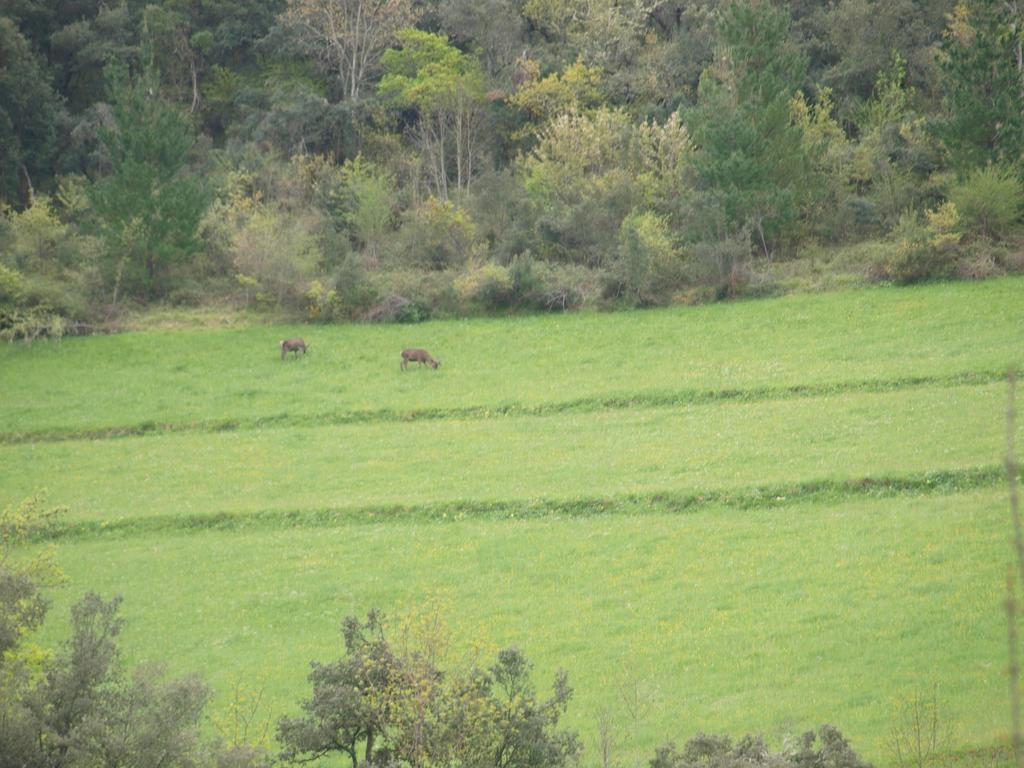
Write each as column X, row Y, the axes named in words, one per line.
column 413, row 355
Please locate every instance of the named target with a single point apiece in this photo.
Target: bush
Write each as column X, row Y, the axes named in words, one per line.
column 989, row 202
column 924, row 250
column 279, row 251
column 390, row 701
column 648, row 267
column 344, row 295
column 437, row 235
column 826, row 749
column 489, row 286
column 566, row 286
column 722, row 263
column 396, row 309
column 432, row 291
column 23, row 313
column 527, row 285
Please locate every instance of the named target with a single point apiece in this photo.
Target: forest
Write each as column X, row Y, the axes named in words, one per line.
column 397, row 160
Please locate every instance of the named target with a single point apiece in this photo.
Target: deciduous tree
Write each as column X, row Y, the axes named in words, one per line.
column 348, row 36
column 446, row 87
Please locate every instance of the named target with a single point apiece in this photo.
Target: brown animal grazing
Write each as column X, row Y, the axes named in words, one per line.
column 420, row 356
column 293, row 345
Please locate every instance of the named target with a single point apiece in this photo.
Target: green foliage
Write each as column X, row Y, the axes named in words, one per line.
column 84, row 710
column 489, row 285
column 826, row 749
column 895, row 152
column 279, row 250
column 984, row 123
column 366, row 201
column 385, row 702
column 649, row 263
column 22, row 604
column 42, row 245
column 149, row 207
column 576, row 89
column 989, row 201
column 35, row 233
column 925, row 250
column 437, row 235
column 579, row 182
column 446, row 87
column 750, row 152
column 84, row 40
column 824, row 212
column 549, row 123
column 347, row 37
column 29, row 113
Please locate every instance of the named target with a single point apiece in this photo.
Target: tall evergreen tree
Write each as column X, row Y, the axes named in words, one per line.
column 750, row 157
column 984, row 68
column 149, row 206
column 28, row 116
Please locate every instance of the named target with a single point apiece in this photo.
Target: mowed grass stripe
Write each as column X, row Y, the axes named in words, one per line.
column 219, row 376
column 688, row 450
column 771, row 622
column 668, row 503
column 582, row 405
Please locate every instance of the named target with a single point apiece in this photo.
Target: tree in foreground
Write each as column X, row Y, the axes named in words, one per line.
column 79, row 707
column 382, row 704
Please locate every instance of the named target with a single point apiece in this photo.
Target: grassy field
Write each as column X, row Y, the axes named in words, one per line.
column 754, row 517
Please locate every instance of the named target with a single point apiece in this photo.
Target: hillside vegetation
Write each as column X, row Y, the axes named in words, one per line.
column 332, row 160
column 754, row 517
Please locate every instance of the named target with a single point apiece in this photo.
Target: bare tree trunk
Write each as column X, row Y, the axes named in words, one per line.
column 442, row 140
column 25, row 189
column 458, row 144
column 195, row 85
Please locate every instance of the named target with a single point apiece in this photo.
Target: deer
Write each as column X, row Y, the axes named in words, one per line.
column 420, row 356
column 293, row 345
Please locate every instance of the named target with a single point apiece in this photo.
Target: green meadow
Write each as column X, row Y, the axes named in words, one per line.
column 750, row 517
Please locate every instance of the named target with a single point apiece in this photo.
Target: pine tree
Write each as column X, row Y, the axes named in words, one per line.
column 984, row 70
column 750, row 156
column 149, row 206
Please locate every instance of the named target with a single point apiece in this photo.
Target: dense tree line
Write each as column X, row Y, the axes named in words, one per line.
column 392, row 159
column 390, row 700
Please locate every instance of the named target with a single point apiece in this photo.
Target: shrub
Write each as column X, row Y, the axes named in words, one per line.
column 648, row 267
column 396, row 309
column 36, row 234
column 489, row 285
column 24, row 313
column 432, row 291
column 989, row 202
column 826, row 749
column 924, row 250
column 437, row 235
column 527, row 285
column 566, row 286
column 722, row 263
column 278, row 250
